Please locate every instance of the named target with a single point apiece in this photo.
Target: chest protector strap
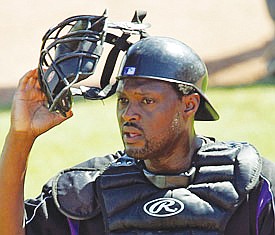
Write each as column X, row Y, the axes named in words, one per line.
column 131, row 204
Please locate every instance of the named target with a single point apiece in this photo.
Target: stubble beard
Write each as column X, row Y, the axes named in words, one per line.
column 155, row 148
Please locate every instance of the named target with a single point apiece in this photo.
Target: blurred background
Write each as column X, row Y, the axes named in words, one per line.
column 216, row 29
column 232, row 37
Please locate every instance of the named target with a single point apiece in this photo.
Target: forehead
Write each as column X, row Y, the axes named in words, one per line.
column 144, row 85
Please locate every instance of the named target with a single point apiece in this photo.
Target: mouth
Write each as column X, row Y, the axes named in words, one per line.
column 131, row 135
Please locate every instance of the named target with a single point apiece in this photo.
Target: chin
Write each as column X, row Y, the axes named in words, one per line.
column 140, row 154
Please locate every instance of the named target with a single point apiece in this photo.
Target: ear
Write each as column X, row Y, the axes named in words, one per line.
column 191, row 103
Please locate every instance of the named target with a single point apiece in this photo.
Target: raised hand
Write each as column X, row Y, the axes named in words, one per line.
column 29, row 114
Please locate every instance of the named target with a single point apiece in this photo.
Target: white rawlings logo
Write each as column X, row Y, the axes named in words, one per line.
column 163, row 207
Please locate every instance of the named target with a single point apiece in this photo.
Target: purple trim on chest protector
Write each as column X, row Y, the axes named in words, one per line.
column 264, row 198
column 74, row 226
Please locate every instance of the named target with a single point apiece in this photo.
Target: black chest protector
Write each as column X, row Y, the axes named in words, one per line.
column 131, row 204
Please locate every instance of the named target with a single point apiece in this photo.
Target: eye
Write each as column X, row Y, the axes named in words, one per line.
column 148, row 101
column 122, row 100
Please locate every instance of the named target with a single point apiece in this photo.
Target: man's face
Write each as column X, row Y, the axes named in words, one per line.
column 150, row 117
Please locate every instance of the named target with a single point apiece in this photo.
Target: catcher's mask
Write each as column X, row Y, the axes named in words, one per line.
column 167, row 59
column 71, row 50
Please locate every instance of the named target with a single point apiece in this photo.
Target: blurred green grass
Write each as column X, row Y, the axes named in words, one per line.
column 247, row 114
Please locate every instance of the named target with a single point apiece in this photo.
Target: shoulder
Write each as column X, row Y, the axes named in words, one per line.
column 236, row 163
column 73, row 189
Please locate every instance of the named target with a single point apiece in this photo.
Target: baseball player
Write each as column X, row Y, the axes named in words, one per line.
column 166, row 180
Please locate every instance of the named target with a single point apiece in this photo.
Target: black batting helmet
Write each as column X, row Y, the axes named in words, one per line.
column 170, row 60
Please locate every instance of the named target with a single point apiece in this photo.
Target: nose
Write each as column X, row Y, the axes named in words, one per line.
column 130, row 113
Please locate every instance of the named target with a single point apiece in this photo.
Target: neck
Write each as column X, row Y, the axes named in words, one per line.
column 176, row 162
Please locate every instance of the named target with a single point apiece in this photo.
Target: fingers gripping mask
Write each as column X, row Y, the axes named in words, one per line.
column 69, row 53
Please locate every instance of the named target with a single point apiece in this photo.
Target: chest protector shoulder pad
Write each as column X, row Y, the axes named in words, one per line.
column 73, row 189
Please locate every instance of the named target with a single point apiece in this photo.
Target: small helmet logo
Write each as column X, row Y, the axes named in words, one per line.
column 163, row 207
column 129, row 71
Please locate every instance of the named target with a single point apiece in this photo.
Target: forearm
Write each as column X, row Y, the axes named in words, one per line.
column 29, row 119
column 13, row 164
